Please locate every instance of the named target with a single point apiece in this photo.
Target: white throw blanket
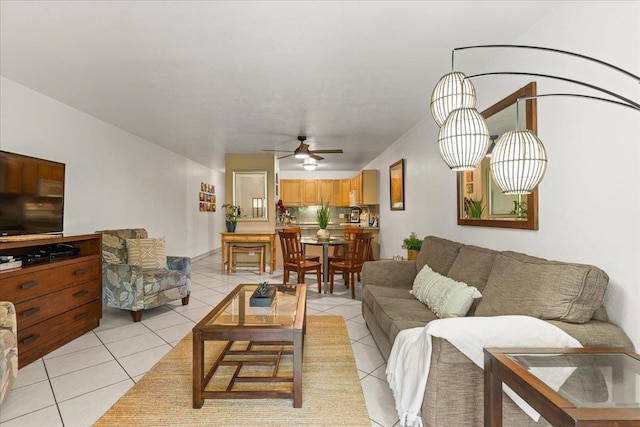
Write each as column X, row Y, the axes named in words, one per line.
column 408, row 365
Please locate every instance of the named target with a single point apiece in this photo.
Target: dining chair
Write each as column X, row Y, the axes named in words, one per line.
column 354, row 262
column 293, row 260
column 299, row 232
column 341, row 252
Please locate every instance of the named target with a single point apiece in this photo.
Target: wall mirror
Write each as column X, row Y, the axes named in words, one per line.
column 480, row 201
column 250, row 193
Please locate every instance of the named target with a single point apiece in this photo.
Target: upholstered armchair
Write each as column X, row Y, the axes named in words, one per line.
column 8, row 348
column 139, row 287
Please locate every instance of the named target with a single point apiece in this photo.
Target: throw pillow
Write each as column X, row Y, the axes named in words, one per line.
column 150, row 254
column 444, row 296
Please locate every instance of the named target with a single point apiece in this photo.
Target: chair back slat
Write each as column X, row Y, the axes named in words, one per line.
column 361, row 248
column 349, row 234
column 291, row 246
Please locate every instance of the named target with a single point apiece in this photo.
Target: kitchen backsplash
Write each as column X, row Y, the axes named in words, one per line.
column 337, row 215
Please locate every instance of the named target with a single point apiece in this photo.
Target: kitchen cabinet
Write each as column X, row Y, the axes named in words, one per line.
column 310, row 192
column 365, row 183
column 291, row 191
column 345, row 188
column 325, row 192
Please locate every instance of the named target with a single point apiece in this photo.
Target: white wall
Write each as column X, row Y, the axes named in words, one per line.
column 113, row 178
column 589, row 199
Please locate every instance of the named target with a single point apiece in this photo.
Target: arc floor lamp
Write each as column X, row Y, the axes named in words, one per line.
column 519, row 159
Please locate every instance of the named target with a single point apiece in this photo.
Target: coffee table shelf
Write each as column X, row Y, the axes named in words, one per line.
column 255, row 337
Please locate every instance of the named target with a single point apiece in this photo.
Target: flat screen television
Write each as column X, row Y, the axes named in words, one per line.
column 31, row 195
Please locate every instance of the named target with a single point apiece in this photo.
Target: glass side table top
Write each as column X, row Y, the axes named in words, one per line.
column 599, row 380
column 238, row 311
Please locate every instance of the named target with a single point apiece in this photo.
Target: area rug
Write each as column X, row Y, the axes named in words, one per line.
column 331, row 391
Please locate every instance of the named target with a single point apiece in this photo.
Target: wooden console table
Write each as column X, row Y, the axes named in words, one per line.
column 248, row 237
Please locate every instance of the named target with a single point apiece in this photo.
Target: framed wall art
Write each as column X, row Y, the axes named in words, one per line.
column 396, row 185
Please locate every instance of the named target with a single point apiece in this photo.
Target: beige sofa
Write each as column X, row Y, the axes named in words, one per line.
column 567, row 295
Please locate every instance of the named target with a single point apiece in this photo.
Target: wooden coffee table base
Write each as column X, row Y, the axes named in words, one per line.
column 253, row 355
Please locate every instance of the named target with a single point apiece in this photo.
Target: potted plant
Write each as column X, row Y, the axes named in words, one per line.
column 474, row 208
column 322, row 216
column 413, row 245
column 232, row 212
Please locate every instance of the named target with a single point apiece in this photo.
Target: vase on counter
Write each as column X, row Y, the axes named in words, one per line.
column 323, row 234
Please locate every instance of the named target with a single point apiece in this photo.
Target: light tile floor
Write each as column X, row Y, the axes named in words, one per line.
column 74, row 385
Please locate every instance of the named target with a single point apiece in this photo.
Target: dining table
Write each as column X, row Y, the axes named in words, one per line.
column 333, row 241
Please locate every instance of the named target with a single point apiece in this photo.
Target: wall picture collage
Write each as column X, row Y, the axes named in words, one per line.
column 207, row 197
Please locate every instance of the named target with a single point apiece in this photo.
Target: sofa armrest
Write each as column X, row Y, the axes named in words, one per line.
column 389, row 273
column 595, row 333
column 179, row 263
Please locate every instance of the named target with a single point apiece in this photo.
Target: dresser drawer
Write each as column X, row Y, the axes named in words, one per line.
column 35, row 282
column 44, row 337
column 41, row 308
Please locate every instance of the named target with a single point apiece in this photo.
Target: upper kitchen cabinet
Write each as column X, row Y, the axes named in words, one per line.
column 326, row 192
column 291, row 191
column 310, row 192
column 365, row 186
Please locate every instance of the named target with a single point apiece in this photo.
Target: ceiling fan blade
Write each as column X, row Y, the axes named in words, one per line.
column 313, row 156
column 284, row 157
column 278, row 151
column 328, row 151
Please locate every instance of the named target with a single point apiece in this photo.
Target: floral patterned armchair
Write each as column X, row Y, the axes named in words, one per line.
column 8, row 348
column 133, row 288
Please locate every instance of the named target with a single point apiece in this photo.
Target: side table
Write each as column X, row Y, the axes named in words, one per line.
column 568, row 386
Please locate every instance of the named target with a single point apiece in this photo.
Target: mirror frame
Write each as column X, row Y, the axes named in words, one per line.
column 266, row 196
column 532, row 199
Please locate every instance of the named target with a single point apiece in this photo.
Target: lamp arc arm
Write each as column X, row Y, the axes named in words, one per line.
column 628, row 101
column 548, row 49
column 578, row 95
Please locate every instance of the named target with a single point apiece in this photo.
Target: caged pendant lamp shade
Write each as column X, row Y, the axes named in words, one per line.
column 463, row 139
column 452, row 91
column 518, row 162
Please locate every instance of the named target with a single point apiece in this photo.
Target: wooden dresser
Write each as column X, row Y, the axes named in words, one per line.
column 56, row 301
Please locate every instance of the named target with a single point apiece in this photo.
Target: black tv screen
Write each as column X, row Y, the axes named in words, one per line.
column 31, row 195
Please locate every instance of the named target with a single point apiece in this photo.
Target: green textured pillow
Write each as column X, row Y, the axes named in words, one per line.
column 150, row 254
column 444, row 296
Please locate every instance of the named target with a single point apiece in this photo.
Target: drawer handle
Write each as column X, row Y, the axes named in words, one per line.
column 81, row 271
column 81, row 293
column 30, row 284
column 30, row 339
column 81, row 316
column 30, row 312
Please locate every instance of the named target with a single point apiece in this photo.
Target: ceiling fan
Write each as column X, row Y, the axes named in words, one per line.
column 303, row 152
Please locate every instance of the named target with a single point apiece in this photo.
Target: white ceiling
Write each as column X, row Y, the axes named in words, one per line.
column 203, row 78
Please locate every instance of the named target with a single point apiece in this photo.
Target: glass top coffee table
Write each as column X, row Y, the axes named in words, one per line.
column 259, row 341
column 568, row 387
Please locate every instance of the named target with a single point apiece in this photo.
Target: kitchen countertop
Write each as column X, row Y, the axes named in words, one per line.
column 314, row 226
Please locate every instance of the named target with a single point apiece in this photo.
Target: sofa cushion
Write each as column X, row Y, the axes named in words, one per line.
column 150, row 254
column 550, row 290
column 472, row 266
column 444, row 296
column 438, row 253
column 388, row 310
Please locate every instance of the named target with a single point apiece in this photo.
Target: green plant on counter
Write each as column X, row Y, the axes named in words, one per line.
column 412, row 243
column 322, row 215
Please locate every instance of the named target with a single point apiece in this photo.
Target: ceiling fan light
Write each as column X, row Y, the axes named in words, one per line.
column 463, row 139
column 310, row 165
column 519, row 162
column 452, row 91
column 300, row 153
